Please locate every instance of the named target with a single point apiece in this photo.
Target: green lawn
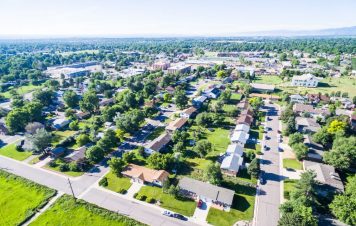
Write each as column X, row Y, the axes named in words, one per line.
column 11, row 152
column 22, row 90
column 292, row 164
column 289, row 186
column 156, row 133
column 268, row 79
column 69, row 172
column 59, row 136
column 182, row 206
column 219, row 138
column 66, row 212
column 117, row 183
column 327, row 85
column 242, row 207
column 20, row 198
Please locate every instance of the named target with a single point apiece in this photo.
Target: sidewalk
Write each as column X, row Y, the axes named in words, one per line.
column 135, row 187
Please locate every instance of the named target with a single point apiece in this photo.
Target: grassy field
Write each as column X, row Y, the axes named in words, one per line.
column 327, row 85
column 268, row 79
column 219, row 139
column 288, row 187
column 242, row 207
column 117, row 183
column 292, row 164
column 182, row 206
column 11, row 152
column 156, row 133
column 59, row 136
column 66, row 212
column 20, row 198
column 22, row 90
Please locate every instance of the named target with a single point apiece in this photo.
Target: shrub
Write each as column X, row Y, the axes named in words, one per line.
column 141, row 197
column 104, row 182
column 63, row 167
column 135, row 195
column 74, row 167
column 122, row 191
column 150, row 200
column 52, row 163
column 19, row 148
column 286, row 194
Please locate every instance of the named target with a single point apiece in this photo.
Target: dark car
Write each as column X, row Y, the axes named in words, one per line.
column 262, row 180
column 179, row 216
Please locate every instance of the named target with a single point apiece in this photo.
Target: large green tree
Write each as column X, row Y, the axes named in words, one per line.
column 71, row 98
column 90, row 102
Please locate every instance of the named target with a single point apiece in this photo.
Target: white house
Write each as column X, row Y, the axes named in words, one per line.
column 296, row 98
column 235, row 149
column 239, row 137
column 59, row 123
column 242, row 127
column 231, row 165
column 306, row 80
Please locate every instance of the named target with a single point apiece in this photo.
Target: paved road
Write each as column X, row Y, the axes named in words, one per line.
column 85, row 187
column 268, row 197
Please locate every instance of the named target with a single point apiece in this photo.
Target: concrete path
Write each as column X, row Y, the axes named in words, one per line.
column 200, row 214
column 135, row 187
column 43, row 162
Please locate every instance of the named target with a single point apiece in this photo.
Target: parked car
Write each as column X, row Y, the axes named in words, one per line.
column 168, row 213
column 262, row 180
column 180, row 216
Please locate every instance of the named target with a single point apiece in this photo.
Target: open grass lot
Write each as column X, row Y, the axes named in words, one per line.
column 288, row 187
column 69, row 172
column 11, row 152
column 219, row 139
column 58, row 136
column 242, row 207
column 116, row 183
column 182, row 206
column 292, row 164
column 22, row 90
column 268, row 79
column 156, row 133
column 327, row 85
column 66, row 212
column 20, row 198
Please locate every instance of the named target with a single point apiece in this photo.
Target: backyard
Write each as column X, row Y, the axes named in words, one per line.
column 11, row 152
column 59, row 136
column 67, row 212
column 179, row 205
column 20, row 198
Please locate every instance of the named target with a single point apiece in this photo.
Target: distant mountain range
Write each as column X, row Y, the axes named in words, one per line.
column 343, row 31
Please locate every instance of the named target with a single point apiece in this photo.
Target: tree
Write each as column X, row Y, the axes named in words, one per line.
column 299, row 216
column 129, row 156
column 82, row 139
column 117, row 165
column 130, row 121
column 74, row 125
column 130, row 100
column 283, row 57
column 180, row 136
column 213, row 174
column 33, row 126
column 300, row 150
column 90, row 102
column 44, row 97
column 203, row 147
column 217, row 106
column 295, row 138
column 159, row 161
column 343, row 152
column 108, row 141
column 337, row 126
column 254, row 168
column 40, row 140
column 179, row 147
column 344, row 205
column 322, row 136
column 256, row 103
column 204, row 119
column 306, row 188
column 34, row 110
column 221, row 74
column 16, row 120
column 71, row 98
column 181, row 99
column 94, row 154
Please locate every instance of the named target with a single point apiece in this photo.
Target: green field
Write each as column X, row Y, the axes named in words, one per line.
column 22, row 90
column 66, row 212
column 327, row 85
column 116, row 183
column 292, row 164
column 268, row 79
column 11, row 152
column 182, row 205
column 20, row 198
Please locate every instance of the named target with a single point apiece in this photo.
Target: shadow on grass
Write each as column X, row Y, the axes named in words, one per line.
column 240, row 203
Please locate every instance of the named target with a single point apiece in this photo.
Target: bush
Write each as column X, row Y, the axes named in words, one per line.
column 150, row 200
column 122, row 191
column 104, row 182
column 74, row 167
column 63, row 167
column 141, row 197
column 135, row 195
column 52, row 163
column 19, row 148
column 286, row 194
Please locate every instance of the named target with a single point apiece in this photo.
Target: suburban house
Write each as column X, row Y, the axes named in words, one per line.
column 243, row 104
column 198, row 101
column 316, row 98
column 161, row 65
column 81, row 115
column 221, row 198
column 60, row 123
column 235, row 149
column 240, row 137
column 326, row 175
column 180, row 68
column 306, row 108
column 143, row 175
column 3, row 129
column 242, row 127
column 315, row 150
column 56, row 152
column 231, row 164
column 176, row 124
column 264, row 88
column 306, row 125
column 106, row 101
column 158, row 144
column 212, row 93
column 296, row 98
column 188, row 113
column 306, row 80
column 170, row 89
column 77, row 154
column 244, row 119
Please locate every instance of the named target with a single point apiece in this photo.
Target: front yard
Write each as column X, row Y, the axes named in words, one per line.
column 20, row 198
column 57, row 168
column 116, row 183
column 289, row 186
column 11, row 152
column 68, row 212
column 182, row 205
column 292, row 164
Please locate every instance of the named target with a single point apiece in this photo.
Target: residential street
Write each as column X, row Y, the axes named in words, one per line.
column 85, row 187
column 268, row 196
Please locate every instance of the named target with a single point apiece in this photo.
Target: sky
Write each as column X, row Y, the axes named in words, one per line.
column 170, row 17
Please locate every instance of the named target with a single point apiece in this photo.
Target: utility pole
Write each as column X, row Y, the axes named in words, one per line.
column 71, row 188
